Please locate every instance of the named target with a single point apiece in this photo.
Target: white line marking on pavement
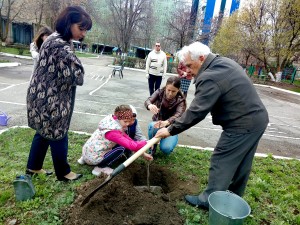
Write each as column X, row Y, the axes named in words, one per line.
column 13, row 103
column 13, row 85
column 92, row 92
column 285, row 118
column 277, row 136
column 256, row 154
column 90, row 114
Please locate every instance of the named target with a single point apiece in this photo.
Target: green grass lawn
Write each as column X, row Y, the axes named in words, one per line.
column 26, row 52
column 85, row 55
column 296, row 83
column 273, row 191
column 14, row 51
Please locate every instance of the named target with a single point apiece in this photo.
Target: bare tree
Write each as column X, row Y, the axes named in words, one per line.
column 143, row 35
column 179, row 26
column 126, row 15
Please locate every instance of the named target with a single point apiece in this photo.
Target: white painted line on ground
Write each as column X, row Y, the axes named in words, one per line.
column 286, row 125
column 282, row 117
column 104, row 103
column 90, row 114
column 13, row 103
column 256, row 154
column 92, row 92
column 278, row 132
column 99, row 76
column 10, row 64
column 6, row 83
column 13, row 85
column 277, row 136
column 127, row 99
column 205, row 128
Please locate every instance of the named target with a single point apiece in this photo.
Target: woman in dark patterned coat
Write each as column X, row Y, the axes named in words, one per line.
column 51, row 93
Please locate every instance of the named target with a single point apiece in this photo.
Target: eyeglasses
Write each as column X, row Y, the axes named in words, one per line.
column 157, row 45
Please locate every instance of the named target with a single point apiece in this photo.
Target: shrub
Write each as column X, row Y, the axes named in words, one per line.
column 21, row 48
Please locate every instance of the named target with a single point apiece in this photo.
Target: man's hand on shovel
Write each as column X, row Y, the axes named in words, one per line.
column 162, row 133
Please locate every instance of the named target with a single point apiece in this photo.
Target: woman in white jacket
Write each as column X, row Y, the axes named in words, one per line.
column 35, row 46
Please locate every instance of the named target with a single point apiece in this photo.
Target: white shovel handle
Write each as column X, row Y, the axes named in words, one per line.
column 150, row 143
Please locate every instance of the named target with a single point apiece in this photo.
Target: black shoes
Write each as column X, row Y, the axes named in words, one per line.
column 67, row 180
column 31, row 173
column 195, row 201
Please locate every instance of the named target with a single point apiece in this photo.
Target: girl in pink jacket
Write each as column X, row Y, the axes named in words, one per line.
column 109, row 141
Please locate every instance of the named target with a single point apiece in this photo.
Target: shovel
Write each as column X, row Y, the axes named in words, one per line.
column 120, row 168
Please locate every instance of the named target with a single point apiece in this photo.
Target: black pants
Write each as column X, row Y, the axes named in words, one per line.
column 154, row 83
column 59, row 152
column 113, row 156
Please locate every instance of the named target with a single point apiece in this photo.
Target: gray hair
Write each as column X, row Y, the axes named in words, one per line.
column 195, row 49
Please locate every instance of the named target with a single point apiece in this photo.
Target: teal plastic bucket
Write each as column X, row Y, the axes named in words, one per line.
column 227, row 208
column 24, row 188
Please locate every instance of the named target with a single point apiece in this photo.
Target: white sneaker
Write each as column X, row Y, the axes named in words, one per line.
column 106, row 170
column 81, row 161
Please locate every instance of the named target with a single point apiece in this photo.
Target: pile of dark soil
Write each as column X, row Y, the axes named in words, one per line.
column 120, row 203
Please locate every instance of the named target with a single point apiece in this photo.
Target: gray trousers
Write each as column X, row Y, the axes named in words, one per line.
column 231, row 163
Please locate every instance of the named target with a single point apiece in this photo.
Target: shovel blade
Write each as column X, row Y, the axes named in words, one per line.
column 152, row 189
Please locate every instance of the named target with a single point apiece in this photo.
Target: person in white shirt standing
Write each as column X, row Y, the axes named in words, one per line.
column 35, row 46
column 156, row 68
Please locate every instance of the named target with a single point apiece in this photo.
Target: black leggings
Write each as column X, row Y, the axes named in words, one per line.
column 112, row 156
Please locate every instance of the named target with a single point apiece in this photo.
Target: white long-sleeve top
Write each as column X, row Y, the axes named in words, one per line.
column 156, row 63
column 34, row 53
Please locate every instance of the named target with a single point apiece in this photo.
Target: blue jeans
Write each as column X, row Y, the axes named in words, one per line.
column 166, row 145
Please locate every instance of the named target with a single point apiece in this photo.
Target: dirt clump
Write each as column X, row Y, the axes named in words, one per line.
column 120, row 203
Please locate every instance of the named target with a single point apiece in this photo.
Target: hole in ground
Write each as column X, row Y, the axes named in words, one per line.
column 158, row 177
column 120, row 203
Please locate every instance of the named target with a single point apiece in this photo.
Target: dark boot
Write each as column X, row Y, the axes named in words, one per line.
column 195, row 201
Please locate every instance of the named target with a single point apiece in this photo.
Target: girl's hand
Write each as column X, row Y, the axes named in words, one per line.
column 148, row 156
column 153, row 108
